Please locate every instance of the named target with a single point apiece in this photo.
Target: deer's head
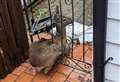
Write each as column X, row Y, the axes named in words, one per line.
column 61, row 22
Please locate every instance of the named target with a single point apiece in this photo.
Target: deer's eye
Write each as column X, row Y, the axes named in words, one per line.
column 64, row 19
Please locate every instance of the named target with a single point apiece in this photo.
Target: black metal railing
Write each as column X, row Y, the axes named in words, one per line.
column 69, row 3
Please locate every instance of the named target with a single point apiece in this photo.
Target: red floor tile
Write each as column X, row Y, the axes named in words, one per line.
column 81, row 73
column 70, row 63
column 9, row 78
column 72, row 80
column 40, row 77
column 88, row 60
column 88, row 78
column 27, row 65
column 41, row 35
column 64, row 69
column 89, row 52
column 53, row 71
column 19, row 70
column 77, row 52
column 24, row 77
column 74, row 77
column 77, row 76
column 58, row 77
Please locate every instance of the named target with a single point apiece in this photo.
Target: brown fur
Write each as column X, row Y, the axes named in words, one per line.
column 44, row 54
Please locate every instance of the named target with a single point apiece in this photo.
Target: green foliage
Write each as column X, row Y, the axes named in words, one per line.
column 40, row 14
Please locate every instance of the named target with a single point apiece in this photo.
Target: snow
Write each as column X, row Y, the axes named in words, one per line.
column 78, row 32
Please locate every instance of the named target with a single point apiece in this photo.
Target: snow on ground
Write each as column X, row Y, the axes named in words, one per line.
column 78, row 32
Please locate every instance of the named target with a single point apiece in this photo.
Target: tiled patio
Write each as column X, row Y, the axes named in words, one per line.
column 59, row 73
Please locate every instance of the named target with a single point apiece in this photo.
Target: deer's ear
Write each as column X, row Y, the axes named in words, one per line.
column 64, row 19
column 57, row 9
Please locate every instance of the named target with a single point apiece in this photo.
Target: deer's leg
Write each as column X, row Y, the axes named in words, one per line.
column 38, row 69
column 46, row 70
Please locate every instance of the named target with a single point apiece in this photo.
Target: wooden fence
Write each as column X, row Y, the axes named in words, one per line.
column 13, row 37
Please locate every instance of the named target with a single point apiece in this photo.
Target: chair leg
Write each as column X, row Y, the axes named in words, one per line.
column 38, row 36
column 31, row 38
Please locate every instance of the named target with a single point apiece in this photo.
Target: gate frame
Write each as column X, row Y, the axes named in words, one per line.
column 100, row 22
column 99, row 44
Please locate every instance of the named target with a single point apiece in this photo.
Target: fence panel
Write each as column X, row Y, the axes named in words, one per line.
column 13, row 36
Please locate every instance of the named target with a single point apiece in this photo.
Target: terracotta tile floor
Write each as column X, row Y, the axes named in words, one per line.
column 59, row 73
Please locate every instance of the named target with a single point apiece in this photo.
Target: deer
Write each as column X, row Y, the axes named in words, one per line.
column 44, row 54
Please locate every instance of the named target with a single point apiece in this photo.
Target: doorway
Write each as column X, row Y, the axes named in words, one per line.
column 76, row 17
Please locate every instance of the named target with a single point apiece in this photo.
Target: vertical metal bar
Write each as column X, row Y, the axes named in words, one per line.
column 27, row 17
column 31, row 10
column 61, row 27
column 38, row 36
column 99, row 37
column 83, row 30
column 72, row 26
column 50, row 17
column 33, row 19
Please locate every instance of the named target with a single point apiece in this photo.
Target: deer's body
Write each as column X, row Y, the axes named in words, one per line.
column 44, row 54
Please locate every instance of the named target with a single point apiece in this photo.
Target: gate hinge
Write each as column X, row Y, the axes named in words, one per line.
column 109, row 59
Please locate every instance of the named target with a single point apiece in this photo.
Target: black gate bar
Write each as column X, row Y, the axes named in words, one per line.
column 50, row 17
column 83, row 30
column 62, row 29
column 72, row 25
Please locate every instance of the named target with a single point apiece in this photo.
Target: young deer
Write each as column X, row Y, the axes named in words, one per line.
column 44, row 54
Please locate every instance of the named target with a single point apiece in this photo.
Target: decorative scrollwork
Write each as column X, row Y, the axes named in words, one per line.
column 87, row 66
column 66, row 61
column 68, row 2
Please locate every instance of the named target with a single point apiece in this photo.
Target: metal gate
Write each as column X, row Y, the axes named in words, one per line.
column 31, row 4
column 13, row 37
